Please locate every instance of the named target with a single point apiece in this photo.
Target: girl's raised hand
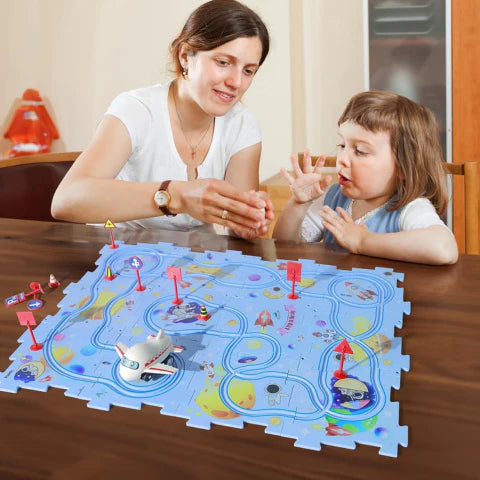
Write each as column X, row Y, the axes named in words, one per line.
column 306, row 185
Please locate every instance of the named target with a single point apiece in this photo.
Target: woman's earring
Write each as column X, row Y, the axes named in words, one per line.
column 184, row 71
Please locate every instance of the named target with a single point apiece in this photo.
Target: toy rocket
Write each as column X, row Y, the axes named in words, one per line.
column 31, row 130
column 264, row 318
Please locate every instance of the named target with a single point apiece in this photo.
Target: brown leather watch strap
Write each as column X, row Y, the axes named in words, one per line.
column 165, row 209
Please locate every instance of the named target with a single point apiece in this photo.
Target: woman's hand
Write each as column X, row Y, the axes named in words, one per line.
column 217, row 201
column 347, row 233
column 268, row 217
column 309, row 184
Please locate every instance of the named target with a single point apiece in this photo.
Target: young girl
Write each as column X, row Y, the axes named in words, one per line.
column 391, row 186
column 184, row 154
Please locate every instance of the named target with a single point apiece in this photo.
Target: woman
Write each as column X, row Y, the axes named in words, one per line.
column 185, row 153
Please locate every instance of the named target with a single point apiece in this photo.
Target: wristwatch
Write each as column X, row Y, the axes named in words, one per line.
column 162, row 199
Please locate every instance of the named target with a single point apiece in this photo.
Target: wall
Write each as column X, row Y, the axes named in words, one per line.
column 80, row 53
column 334, row 70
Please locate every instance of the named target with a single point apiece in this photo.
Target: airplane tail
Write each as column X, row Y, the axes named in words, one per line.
column 161, row 333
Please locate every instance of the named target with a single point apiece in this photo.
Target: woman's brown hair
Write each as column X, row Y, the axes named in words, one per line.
column 414, row 140
column 217, row 22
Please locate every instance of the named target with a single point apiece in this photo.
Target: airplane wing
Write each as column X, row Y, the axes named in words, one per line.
column 161, row 368
column 121, row 348
column 178, row 348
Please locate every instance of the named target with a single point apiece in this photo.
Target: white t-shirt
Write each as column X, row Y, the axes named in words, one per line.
column 419, row 213
column 154, row 157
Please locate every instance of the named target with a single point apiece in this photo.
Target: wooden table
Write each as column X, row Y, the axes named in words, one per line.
column 48, row 435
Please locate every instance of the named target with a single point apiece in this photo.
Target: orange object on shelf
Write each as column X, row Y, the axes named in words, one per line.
column 31, row 131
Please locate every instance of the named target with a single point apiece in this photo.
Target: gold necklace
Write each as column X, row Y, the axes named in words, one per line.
column 192, row 147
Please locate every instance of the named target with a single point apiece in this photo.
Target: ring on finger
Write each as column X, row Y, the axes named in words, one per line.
column 224, row 215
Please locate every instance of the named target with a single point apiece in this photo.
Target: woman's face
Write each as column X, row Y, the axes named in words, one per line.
column 217, row 79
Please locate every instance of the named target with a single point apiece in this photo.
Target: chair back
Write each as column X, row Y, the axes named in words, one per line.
column 27, row 184
column 469, row 171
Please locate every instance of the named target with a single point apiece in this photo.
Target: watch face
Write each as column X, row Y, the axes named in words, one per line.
column 161, row 198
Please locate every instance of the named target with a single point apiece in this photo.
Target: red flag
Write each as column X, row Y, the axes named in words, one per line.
column 26, row 318
column 343, row 347
column 174, row 273
column 294, row 271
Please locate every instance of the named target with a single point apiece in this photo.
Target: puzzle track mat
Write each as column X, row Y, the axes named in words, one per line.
column 261, row 357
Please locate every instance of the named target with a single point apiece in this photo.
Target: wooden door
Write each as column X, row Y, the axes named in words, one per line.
column 466, row 99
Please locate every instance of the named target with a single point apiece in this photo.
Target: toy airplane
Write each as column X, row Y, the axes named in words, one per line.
column 146, row 357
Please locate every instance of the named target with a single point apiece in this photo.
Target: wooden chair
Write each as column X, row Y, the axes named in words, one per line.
column 469, row 170
column 27, row 184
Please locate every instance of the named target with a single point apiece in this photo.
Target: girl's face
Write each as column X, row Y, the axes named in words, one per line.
column 365, row 164
column 217, row 79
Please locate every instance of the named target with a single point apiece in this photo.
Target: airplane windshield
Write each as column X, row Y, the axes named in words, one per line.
column 126, row 362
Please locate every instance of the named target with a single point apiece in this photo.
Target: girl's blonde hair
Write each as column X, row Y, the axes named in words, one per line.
column 414, row 140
